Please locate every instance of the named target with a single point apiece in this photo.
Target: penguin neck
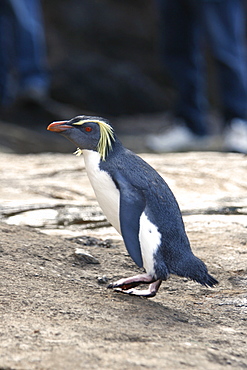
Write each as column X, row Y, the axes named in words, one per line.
column 94, row 157
column 92, row 160
column 115, row 150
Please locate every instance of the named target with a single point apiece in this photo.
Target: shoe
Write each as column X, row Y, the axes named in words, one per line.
column 235, row 136
column 178, row 139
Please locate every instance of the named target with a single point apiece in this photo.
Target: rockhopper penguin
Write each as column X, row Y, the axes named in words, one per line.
column 138, row 203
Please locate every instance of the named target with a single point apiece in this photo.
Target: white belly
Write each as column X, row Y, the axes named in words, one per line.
column 150, row 239
column 105, row 190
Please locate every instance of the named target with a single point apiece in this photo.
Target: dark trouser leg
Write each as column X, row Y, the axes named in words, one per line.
column 30, row 44
column 224, row 22
column 180, row 44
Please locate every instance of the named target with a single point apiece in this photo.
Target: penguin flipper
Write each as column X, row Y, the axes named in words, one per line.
column 132, row 204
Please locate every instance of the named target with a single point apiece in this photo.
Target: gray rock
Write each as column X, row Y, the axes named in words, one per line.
column 84, row 256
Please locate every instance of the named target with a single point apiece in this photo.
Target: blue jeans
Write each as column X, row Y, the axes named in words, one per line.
column 22, row 46
column 185, row 25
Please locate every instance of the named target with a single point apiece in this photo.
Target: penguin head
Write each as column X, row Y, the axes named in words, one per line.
column 90, row 133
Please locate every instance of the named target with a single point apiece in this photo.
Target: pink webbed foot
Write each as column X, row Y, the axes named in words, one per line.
column 132, row 282
column 148, row 293
column 127, row 285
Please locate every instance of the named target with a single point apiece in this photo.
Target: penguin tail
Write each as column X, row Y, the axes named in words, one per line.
column 196, row 270
column 210, row 281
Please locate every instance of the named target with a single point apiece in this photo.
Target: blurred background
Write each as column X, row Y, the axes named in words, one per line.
column 103, row 58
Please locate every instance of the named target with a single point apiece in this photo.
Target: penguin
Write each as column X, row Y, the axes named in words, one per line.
column 139, row 204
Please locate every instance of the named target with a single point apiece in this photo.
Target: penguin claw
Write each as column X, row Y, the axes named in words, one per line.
column 148, row 293
column 140, row 293
column 122, row 286
column 132, row 282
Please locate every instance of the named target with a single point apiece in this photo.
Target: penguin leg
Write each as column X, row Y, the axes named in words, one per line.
column 148, row 293
column 132, row 282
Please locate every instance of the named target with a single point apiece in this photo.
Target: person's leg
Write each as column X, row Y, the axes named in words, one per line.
column 6, row 48
column 180, row 44
column 224, row 23
column 30, row 45
column 3, row 63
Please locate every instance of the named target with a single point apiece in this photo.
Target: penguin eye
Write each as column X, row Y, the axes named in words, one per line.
column 88, row 129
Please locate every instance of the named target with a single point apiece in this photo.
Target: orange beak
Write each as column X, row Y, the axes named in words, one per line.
column 58, row 126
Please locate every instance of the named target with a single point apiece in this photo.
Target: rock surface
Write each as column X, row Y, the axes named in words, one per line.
column 56, row 312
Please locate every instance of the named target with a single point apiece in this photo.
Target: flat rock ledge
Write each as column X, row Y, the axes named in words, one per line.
column 56, row 312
